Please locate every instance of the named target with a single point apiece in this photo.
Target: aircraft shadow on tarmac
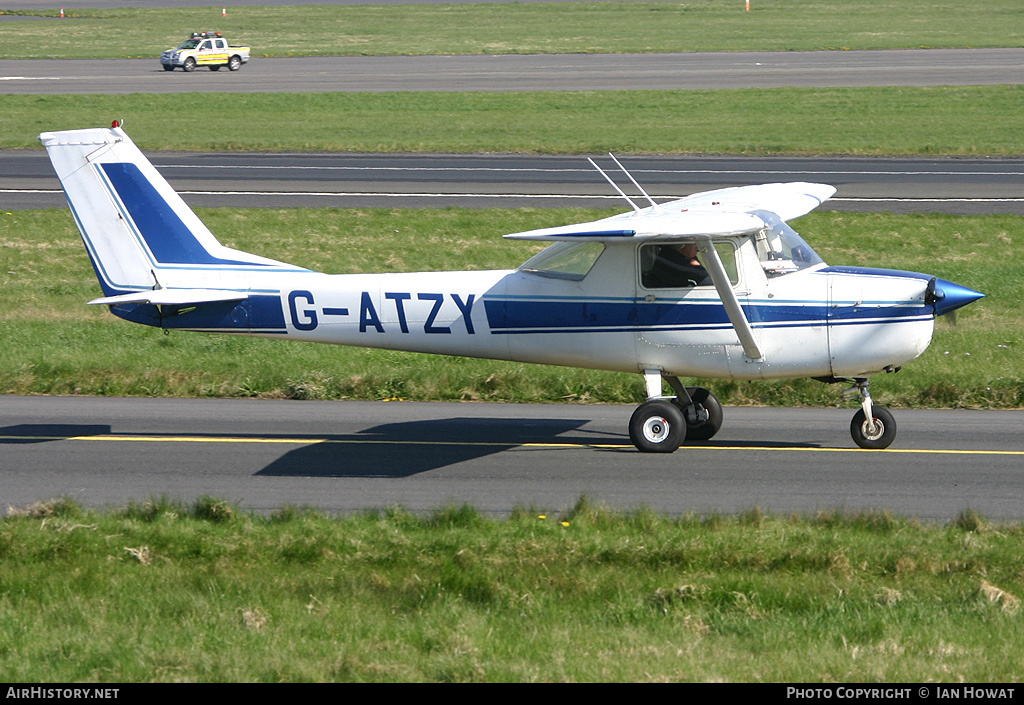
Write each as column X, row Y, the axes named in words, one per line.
column 398, row 450
column 46, row 432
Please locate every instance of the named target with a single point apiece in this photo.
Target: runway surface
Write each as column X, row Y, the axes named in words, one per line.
column 527, row 72
column 951, row 185
column 347, row 456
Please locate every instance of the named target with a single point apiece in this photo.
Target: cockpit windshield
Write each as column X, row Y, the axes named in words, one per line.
column 780, row 249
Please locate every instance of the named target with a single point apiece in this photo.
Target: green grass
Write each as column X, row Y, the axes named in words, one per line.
column 51, row 343
column 968, row 120
column 161, row 592
column 513, row 28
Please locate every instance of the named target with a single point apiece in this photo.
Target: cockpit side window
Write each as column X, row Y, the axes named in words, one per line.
column 565, row 260
column 677, row 265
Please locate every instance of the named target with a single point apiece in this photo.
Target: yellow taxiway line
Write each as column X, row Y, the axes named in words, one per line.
column 496, row 444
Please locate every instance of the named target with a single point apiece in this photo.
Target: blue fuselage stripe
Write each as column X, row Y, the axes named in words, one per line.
column 539, row 316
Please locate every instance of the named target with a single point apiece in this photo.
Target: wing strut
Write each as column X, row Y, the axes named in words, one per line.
column 713, row 263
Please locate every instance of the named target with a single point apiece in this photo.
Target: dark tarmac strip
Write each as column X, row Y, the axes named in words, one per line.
column 899, row 185
column 349, row 456
column 527, row 72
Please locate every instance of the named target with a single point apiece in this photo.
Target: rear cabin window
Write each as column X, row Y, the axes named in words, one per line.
column 565, row 260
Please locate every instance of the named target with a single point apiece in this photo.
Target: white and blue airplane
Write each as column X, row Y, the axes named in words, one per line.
column 712, row 285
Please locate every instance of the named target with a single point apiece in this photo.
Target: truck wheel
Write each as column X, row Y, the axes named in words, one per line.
column 189, row 65
column 215, row 68
column 168, row 67
column 234, row 63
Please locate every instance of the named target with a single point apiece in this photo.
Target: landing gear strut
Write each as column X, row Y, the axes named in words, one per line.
column 872, row 426
column 661, row 424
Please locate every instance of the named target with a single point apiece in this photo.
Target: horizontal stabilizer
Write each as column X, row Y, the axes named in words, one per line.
column 172, row 297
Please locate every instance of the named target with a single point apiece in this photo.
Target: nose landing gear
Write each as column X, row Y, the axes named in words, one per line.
column 873, row 426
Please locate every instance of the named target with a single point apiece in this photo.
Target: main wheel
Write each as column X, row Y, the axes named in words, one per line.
column 234, row 63
column 709, row 411
column 189, row 65
column 168, row 67
column 215, row 67
column 657, row 427
column 883, row 434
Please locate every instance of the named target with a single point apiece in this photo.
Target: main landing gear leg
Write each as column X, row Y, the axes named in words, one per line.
column 873, row 426
column 661, row 424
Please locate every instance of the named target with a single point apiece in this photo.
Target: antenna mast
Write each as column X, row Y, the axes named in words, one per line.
column 614, row 185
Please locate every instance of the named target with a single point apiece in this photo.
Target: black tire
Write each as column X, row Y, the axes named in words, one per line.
column 189, row 65
column 882, row 437
column 168, row 67
column 704, row 430
column 215, row 68
column 234, row 63
column 657, row 427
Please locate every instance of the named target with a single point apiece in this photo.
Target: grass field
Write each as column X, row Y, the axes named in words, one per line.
column 159, row 592
column 52, row 343
column 969, row 120
column 605, row 27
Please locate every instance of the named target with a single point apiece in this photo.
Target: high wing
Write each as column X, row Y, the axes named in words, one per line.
column 705, row 215
column 787, row 200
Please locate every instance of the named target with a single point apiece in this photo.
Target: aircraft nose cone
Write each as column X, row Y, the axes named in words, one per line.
column 948, row 296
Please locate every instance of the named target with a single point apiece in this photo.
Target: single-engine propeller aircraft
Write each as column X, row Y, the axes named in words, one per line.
column 712, row 285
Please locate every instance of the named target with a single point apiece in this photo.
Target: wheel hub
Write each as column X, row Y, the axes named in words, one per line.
column 872, row 430
column 656, row 429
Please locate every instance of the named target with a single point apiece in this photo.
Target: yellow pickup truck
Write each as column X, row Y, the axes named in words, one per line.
column 205, row 49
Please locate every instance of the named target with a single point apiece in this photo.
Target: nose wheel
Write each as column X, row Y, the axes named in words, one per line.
column 880, row 433
column 873, row 427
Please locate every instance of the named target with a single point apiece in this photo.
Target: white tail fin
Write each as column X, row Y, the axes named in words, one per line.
column 139, row 233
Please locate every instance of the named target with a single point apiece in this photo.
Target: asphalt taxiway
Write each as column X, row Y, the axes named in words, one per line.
column 349, row 456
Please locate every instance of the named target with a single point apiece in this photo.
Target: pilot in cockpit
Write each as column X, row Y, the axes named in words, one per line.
column 675, row 266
